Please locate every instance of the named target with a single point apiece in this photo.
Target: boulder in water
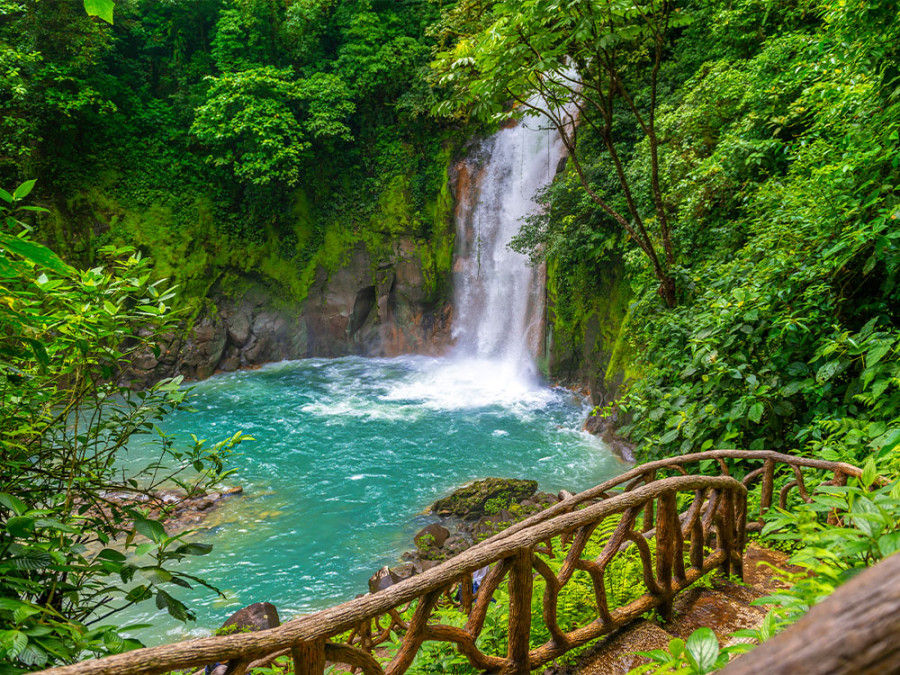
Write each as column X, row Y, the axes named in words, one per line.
column 382, row 579
column 432, row 536
column 258, row 616
column 487, row 496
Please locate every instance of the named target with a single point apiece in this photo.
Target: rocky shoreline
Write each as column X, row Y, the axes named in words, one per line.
column 176, row 510
column 469, row 515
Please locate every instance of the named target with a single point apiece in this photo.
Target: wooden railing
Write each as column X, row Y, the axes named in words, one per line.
column 682, row 526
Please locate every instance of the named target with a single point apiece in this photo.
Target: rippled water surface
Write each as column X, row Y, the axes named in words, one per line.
column 348, row 455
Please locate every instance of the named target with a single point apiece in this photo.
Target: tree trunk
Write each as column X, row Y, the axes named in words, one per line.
column 854, row 632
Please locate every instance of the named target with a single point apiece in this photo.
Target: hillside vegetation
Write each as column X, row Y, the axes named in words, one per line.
column 226, row 137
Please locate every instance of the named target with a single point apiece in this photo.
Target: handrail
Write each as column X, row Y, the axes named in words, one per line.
column 648, row 471
column 684, row 547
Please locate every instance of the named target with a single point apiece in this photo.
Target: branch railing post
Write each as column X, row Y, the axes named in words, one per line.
column 768, row 487
column 725, row 535
column 309, row 658
column 666, row 537
column 521, row 582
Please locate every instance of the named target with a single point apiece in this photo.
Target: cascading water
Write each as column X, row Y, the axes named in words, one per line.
column 499, row 297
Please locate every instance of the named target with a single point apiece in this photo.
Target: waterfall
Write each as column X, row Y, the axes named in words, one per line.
column 498, row 307
column 499, row 300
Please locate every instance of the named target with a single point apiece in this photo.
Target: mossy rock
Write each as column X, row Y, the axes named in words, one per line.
column 489, row 495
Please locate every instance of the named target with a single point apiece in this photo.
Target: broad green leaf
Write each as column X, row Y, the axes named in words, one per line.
column 869, row 472
column 866, row 517
column 111, row 554
column 669, row 436
column 11, row 605
column 756, row 412
column 36, row 253
column 33, row 655
column 24, row 189
column 889, row 544
column 33, row 560
column 13, row 503
column 876, row 353
column 100, row 8
column 194, row 549
column 15, row 642
column 156, row 575
column 829, row 370
column 702, row 649
column 20, row 526
column 151, row 529
column 145, row 548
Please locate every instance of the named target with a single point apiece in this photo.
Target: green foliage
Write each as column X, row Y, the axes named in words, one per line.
column 781, row 174
column 840, row 532
column 249, row 121
column 72, row 553
column 324, row 95
column 864, row 529
column 699, row 655
column 100, row 8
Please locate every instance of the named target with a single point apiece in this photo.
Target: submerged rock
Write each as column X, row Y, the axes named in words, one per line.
column 488, row 496
column 258, row 616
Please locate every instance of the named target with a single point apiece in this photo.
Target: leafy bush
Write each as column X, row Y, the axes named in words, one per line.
column 68, row 510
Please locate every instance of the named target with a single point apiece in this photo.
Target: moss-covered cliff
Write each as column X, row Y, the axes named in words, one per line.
column 586, row 343
column 369, row 278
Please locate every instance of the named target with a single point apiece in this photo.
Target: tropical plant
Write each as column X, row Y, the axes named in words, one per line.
column 77, row 544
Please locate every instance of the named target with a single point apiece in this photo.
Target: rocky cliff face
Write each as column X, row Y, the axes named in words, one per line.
column 586, row 343
column 371, row 305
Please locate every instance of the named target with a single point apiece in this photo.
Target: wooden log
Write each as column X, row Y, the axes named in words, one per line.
column 551, row 599
column 667, row 531
column 520, row 585
column 309, row 658
column 783, row 495
column 466, row 593
column 671, row 462
column 856, row 631
column 727, row 532
column 768, row 487
column 415, row 635
column 485, row 592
